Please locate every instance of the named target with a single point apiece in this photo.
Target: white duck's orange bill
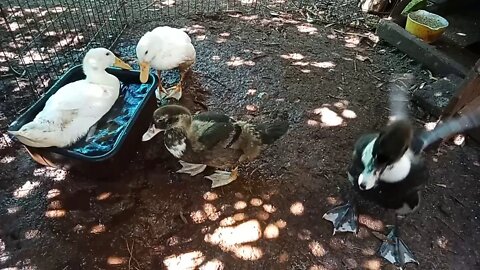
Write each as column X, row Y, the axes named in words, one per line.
column 144, row 70
column 119, row 63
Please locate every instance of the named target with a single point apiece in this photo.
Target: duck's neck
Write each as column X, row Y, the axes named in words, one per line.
column 395, row 172
column 399, row 170
column 98, row 76
column 185, row 124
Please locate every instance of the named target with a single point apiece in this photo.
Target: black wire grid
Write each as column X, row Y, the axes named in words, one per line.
column 41, row 39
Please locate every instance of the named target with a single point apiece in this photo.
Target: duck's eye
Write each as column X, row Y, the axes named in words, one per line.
column 381, row 159
column 146, row 52
column 107, row 54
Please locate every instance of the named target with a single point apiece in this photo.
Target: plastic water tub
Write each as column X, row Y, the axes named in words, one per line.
column 118, row 133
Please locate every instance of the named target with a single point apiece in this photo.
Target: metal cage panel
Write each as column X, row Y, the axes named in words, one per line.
column 40, row 39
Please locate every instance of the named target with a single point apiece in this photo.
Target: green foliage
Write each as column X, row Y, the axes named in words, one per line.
column 414, row 5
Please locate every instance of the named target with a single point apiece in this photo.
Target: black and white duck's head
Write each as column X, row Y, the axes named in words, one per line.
column 387, row 149
column 167, row 117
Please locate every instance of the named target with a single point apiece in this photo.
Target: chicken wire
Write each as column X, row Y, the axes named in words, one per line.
column 41, row 39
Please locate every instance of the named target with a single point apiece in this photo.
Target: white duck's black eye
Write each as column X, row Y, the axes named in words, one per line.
column 107, row 54
column 146, row 52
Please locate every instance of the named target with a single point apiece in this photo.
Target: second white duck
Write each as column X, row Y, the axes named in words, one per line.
column 165, row 48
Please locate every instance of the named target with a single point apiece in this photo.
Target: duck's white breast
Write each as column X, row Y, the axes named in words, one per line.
column 399, row 170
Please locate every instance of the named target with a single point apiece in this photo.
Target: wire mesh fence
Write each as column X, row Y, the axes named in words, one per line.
column 41, row 39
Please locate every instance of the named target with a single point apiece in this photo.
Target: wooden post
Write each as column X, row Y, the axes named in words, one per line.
column 468, row 91
column 467, row 98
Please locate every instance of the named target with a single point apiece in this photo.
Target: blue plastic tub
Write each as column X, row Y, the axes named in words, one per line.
column 118, row 133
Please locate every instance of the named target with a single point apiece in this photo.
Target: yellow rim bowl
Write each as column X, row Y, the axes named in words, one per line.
column 425, row 25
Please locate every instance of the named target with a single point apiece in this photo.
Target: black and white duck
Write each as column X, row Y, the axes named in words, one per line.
column 388, row 169
column 212, row 139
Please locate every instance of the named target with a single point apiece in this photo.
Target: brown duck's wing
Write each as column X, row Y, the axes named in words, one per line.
column 216, row 130
column 220, row 135
column 213, row 117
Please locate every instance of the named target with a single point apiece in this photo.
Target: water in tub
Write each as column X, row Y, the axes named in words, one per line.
column 114, row 123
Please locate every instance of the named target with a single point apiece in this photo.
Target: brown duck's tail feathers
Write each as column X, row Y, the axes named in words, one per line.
column 270, row 132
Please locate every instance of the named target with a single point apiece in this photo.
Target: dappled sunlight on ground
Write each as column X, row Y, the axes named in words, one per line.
column 278, row 21
column 271, row 231
column 114, row 260
column 13, row 210
column 189, row 260
column 26, row 189
column 52, row 193
column 331, row 115
column 231, row 238
column 240, row 205
column 3, row 253
column 373, row 264
column 292, row 56
column 98, row 228
column 53, row 173
column 238, row 61
column 223, row 37
column 307, row 28
column 7, row 159
column 197, row 31
column 242, row 233
column 371, row 222
column 103, row 196
column 5, row 141
column 248, row 252
column 55, row 213
column 333, row 200
column 297, row 209
column 317, row 249
column 213, row 264
column 256, row 202
column 299, row 60
column 328, row 117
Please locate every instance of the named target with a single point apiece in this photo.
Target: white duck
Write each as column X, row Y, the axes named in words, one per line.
column 69, row 114
column 165, row 48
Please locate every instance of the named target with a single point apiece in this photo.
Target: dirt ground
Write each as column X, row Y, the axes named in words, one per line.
column 271, row 218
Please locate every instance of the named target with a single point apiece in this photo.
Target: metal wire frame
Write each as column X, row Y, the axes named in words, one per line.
column 158, row 9
column 40, row 39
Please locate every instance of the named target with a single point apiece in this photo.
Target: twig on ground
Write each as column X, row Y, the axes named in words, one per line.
column 183, row 218
column 335, row 97
column 149, row 5
column 130, row 252
column 215, row 80
column 200, row 103
column 350, row 33
column 457, row 200
column 448, row 226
